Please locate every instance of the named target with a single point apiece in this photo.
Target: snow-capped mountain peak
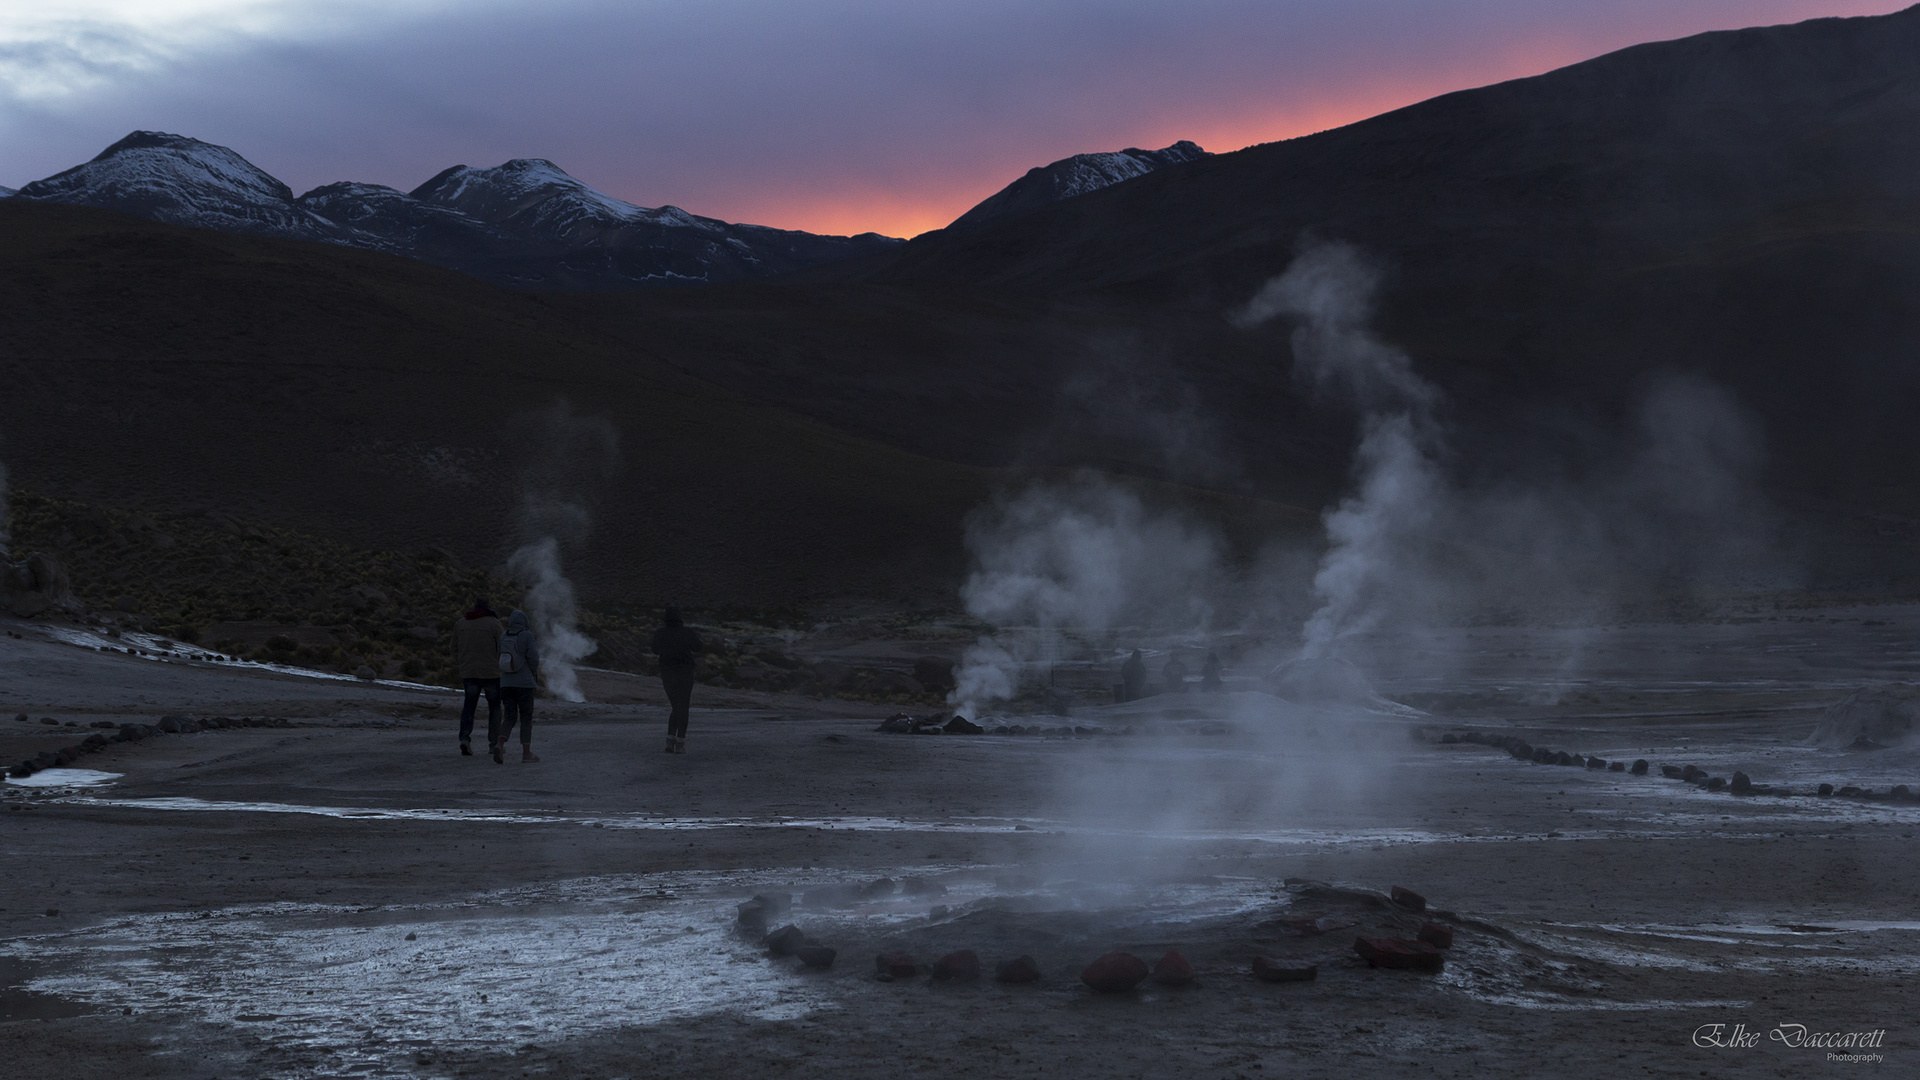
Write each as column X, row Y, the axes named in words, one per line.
column 1076, row 175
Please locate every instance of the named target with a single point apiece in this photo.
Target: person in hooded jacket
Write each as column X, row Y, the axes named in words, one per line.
column 1133, row 678
column 519, row 673
column 475, row 636
column 676, row 645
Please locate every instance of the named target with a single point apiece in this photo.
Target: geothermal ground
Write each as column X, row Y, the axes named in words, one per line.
column 347, row 896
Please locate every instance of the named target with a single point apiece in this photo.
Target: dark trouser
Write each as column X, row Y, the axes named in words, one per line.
column 679, row 683
column 519, row 702
column 476, row 687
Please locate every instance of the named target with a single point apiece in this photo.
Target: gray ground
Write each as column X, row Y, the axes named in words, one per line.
column 349, row 897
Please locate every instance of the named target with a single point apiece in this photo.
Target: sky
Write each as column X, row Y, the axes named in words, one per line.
column 834, row 116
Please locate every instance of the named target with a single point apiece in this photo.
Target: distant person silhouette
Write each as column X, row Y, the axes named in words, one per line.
column 1133, row 677
column 676, row 646
column 475, row 636
column 519, row 662
column 1175, row 675
column 1210, row 674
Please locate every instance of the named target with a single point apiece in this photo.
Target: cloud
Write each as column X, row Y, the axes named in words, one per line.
column 837, row 115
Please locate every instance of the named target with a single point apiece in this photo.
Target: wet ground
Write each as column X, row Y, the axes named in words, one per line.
column 350, row 897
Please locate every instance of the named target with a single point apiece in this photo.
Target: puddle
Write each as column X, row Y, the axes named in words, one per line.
column 65, row 778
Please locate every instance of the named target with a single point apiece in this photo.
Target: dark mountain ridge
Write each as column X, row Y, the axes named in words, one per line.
column 524, row 224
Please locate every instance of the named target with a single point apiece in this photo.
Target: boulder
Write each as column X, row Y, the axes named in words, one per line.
column 1616, row 766
column 815, row 956
column 1021, row 969
column 1399, row 954
column 753, row 917
column 1826, row 789
column 961, row 965
column 1742, row 783
column 1267, row 969
column 1871, row 717
column 1690, row 774
column 786, row 941
column 1521, row 750
column 1715, row 783
column 895, row 965
column 365, row 673
column 960, row 725
column 1564, row 758
column 1173, row 969
column 1408, row 899
column 1672, row 772
column 877, row 888
column 1900, row 793
column 1639, row 767
column 1596, row 763
column 1449, row 739
column 1542, row 756
column 1438, row 935
column 1114, row 973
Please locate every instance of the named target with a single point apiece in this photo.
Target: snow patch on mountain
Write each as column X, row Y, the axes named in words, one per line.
column 1074, row 176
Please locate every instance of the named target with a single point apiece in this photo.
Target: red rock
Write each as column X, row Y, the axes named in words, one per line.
column 1022, row 969
column 1267, row 969
column 962, row 965
column 1115, row 972
column 1438, row 935
column 1173, row 969
column 1409, row 899
column 1399, row 953
column 895, row 965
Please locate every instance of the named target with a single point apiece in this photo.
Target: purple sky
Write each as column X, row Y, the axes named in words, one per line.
column 829, row 115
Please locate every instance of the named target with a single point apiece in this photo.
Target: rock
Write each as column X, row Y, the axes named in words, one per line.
column 1616, row 766
column 1826, row 789
column 1716, row 783
column 1690, row 774
column 19, row 718
column 1267, row 969
column 1521, row 750
column 1596, row 763
column 816, row 956
column 877, row 888
column 1021, row 969
column 960, row 725
column 897, row 965
column 1114, row 973
column 1399, row 953
column 365, row 673
column 753, row 917
column 1871, row 717
column 1438, row 935
column 1542, row 756
column 50, row 721
column 1564, row 758
column 1672, row 772
column 1449, row 739
column 1173, row 969
column 785, row 941
column 1408, row 899
column 411, row 936
column 1742, row 783
column 777, row 903
column 1900, row 793
column 1850, row 790
column 896, row 725
column 1639, row 767
column 170, row 724
column 961, row 965
column 916, row 886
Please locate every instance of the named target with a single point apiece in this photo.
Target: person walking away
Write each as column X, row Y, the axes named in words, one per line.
column 1210, row 674
column 676, row 646
column 475, row 636
column 1133, row 677
column 1175, row 674
column 519, row 674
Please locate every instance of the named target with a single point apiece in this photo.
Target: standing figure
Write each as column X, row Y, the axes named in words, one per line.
column 676, row 646
column 1210, row 674
column 519, row 674
column 1133, row 677
column 1175, row 674
column 477, row 660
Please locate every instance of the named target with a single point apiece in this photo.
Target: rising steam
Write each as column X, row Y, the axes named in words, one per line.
column 568, row 458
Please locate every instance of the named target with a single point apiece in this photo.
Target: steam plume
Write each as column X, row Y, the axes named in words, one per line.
column 568, row 457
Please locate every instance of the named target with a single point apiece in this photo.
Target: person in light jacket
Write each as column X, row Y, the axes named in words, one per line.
column 519, row 674
column 475, row 636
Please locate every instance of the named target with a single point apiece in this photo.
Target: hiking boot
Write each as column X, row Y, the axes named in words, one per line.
column 670, row 741
column 679, row 746
column 466, row 748
column 499, row 753
column 527, row 754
